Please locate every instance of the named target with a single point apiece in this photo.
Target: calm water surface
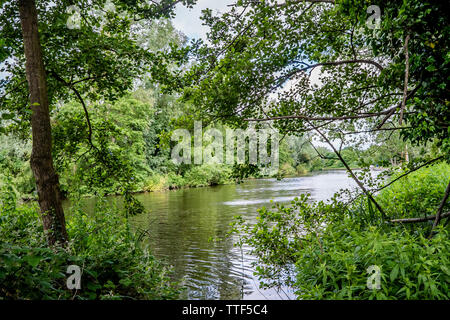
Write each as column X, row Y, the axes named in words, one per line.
column 182, row 223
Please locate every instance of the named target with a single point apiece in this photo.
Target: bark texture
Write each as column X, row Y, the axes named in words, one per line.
column 47, row 181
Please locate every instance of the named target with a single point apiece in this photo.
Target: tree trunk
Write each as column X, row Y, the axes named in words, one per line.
column 47, row 181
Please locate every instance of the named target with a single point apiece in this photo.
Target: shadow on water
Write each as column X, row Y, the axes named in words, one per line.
column 182, row 224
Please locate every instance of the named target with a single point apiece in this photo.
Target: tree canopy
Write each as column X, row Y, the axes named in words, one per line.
column 327, row 64
column 54, row 52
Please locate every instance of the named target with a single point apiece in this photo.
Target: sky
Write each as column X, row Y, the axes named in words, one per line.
column 188, row 20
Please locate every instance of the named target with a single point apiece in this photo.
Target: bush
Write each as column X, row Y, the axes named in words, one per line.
column 175, row 181
column 412, row 266
column 207, row 175
column 287, row 170
column 418, row 194
column 301, row 169
column 155, row 182
column 323, row 250
column 113, row 262
column 197, row 176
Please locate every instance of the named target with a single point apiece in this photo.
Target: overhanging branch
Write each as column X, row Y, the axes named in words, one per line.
column 308, row 118
column 407, row 173
column 440, row 209
column 80, row 98
column 424, row 219
column 350, row 171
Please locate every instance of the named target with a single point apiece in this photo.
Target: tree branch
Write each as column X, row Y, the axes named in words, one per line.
column 351, row 172
column 393, row 110
column 405, row 89
column 87, row 79
column 376, row 130
column 407, row 173
column 308, row 118
column 17, row 86
column 287, row 2
column 333, row 63
column 441, row 207
column 321, row 156
column 80, row 98
column 414, row 220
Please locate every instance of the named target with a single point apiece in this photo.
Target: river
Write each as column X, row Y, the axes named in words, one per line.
column 188, row 229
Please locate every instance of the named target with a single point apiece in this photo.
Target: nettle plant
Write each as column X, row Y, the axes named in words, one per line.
column 324, row 250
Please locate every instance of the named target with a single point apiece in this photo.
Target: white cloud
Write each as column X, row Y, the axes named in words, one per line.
column 188, row 20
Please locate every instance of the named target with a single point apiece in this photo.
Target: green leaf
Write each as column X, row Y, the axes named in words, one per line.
column 7, row 116
column 33, row 260
column 394, row 273
column 445, row 269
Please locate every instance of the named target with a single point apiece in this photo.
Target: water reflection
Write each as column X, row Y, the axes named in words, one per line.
column 182, row 223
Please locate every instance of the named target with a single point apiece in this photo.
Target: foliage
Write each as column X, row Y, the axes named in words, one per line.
column 277, row 236
column 205, row 175
column 418, row 194
column 100, row 58
column 197, row 176
column 121, row 148
column 308, row 65
column 114, row 264
column 301, row 65
column 323, row 249
column 14, row 155
column 412, row 266
column 94, row 61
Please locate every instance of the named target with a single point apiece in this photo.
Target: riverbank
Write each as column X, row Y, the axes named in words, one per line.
column 198, row 177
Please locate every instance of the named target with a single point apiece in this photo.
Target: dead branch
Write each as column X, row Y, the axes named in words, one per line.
column 415, row 220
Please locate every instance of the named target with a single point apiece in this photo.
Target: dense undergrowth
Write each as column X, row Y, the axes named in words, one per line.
column 113, row 261
column 323, row 250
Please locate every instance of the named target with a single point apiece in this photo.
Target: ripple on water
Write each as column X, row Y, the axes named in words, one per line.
column 258, row 201
column 181, row 223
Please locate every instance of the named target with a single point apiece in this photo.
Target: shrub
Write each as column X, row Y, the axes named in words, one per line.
column 323, row 250
column 412, row 266
column 114, row 264
column 175, row 181
column 197, row 176
column 207, row 175
column 417, row 194
column 287, row 170
column 155, row 182
column 301, row 169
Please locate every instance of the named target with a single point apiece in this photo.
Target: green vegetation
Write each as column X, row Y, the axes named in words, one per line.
column 417, row 194
column 89, row 111
column 200, row 176
column 323, row 250
column 412, row 266
column 332, row 71
column 115, row 263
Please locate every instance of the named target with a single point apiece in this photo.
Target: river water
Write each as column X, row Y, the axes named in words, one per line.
column 188, row 229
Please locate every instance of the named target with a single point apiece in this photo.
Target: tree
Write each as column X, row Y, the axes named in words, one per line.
column 96, row 58
column 372, row 73
column 41, row 157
